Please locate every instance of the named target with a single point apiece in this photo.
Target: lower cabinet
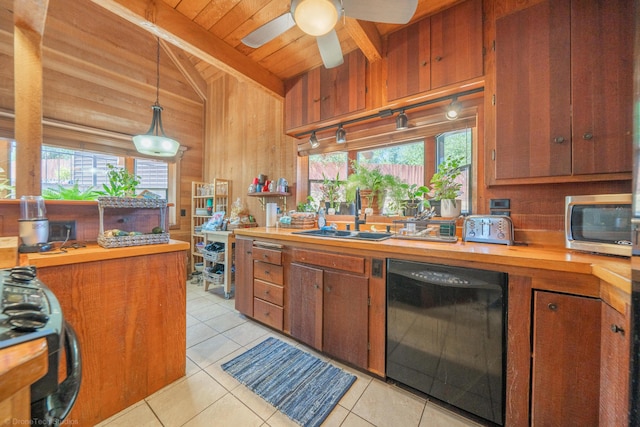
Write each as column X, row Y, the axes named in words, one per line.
column 566, row 360
column 328, row 310
column 268, row 286
column 614, row 368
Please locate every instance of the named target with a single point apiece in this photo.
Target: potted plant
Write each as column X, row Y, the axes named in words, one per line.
column 122, row 183
column 445, row 188
column 406, row 199
column 331, row 191
column 373, row 185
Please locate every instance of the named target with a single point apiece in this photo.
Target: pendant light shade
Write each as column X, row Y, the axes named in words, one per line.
column 316, row 17
column 155, row 142
column 453, row 110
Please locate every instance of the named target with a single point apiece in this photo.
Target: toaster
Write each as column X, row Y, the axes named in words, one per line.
column 488, row 229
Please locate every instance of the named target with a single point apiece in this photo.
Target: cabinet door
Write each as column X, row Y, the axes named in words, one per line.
column 614, row 372
column 244, row 276
column 345, row 317
column 302, row 99
column 456, row 44
column 305, row 304
column 602, row 33
column 342, row 89
column 533, row 122
column 566, row 360
column 408, row 60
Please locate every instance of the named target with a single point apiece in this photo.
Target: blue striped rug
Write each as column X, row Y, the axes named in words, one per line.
column 300, row 385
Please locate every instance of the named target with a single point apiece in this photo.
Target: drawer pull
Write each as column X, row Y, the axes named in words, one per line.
column 266, row 313
column 553, row 306
column 316, row 286
column 267, row 272
column 266, row 291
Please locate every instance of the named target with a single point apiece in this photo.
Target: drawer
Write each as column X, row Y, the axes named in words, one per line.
column 268, row 272
column 268, row 292
column 351, row 263
column 272, row 256
column 268, row 313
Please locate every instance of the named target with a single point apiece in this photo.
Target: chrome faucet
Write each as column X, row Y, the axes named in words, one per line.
column 359, row 221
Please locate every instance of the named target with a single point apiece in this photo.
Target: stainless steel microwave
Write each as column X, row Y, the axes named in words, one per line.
column 599, row 223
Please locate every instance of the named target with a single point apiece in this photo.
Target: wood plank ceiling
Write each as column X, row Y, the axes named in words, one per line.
column 224, row 23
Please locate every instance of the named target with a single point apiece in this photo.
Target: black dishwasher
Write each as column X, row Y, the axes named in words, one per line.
column 446, row 334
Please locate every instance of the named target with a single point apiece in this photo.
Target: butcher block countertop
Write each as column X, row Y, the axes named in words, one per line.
column 613, row 272
column 93, row 252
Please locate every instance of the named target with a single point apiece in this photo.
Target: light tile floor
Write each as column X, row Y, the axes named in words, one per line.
column 208, row 396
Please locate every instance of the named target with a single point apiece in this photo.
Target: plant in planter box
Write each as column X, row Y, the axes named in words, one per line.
column 122, row 183
column 445, row 188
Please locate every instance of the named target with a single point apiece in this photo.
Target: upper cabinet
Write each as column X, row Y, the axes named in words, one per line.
column 323, row 93
column 435, row 52
column 564, row 90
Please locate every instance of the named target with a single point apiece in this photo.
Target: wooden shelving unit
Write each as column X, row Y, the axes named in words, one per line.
column 206, row 198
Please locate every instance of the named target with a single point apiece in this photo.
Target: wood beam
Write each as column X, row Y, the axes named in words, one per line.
column 162, row 20
column 186, row 68
column 28, row 20
column 366, row 36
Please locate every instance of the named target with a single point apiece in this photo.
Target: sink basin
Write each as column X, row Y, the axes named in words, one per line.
column 343, row 234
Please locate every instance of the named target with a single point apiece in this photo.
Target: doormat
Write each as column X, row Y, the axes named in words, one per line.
column 300, row 385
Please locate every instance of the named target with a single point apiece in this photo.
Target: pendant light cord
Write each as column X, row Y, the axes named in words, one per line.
column 158, row 72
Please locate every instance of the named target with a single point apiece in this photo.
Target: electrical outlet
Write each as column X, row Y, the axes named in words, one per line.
column 58, row 230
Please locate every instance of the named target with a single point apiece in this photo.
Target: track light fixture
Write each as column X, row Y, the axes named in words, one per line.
column 341, row 135
column 402, row 121
column 453, row 109
column 313, row 140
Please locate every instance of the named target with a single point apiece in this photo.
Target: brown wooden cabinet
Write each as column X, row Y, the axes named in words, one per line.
column 322, row 93
column 328, row 309
column 244, row 275
column 435, row 52
column 614, row 368
column 563, row 89
column 566, row 360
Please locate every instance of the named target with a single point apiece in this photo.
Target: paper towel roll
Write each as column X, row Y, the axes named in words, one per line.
column 272, row 214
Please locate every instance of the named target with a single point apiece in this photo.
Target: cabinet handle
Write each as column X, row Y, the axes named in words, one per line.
column 558, row 139
column 438, row 58
column 316, row 286
column 588, row 136
column 424, row 63
column 267, row 272
column 266, row 292
column 328, row 289
column 617, row 329
column 553, row 306
column 266, row 313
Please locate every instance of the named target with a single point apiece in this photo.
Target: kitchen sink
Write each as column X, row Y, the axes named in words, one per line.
column 343, row 234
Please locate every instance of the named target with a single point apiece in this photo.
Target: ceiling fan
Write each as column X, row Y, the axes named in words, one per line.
column 319, row 17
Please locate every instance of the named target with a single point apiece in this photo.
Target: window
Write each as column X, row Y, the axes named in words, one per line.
column 328, row 165
column 406, row 161
column 75, row 173
column 458, row 144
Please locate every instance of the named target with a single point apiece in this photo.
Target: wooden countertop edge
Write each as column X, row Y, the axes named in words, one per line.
column 21, row 365
column 93, row 252
column 614, row 271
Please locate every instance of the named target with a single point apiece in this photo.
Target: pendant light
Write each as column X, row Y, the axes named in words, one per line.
column 453, row 109
column 155, row 142
column 341, row 135
column 402, row 121
column 313, row 140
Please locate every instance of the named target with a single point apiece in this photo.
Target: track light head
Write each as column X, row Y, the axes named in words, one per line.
column 402, row 121
column 453, row 109
column 313, row 140
column 341, row 135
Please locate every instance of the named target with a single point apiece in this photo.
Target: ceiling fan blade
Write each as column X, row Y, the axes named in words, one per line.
column 269, row 31
column 330, row 50
column 389, row 12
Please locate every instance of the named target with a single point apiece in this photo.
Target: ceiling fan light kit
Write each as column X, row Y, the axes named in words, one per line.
column 318, row 18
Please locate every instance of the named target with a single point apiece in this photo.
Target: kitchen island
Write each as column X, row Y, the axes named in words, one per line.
column 567, row 312
column 128, row 308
